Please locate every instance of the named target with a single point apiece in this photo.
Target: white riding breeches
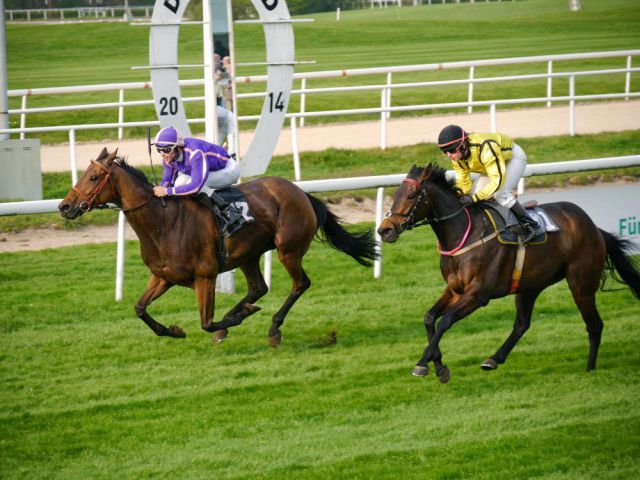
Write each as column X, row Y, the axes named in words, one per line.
column 218, row 179
column 515, row 169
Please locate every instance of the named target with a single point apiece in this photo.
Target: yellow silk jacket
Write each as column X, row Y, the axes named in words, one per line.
column 488, row 155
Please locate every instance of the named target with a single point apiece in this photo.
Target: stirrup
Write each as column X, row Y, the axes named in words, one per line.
column 530, row 232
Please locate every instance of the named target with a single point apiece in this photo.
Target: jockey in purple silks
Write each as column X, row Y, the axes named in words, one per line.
column 192, row 166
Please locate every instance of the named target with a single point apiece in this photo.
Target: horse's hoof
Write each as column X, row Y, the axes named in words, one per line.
column 443, row 373
column 275, row 340
column 489, row 364
column 419, row 371
column 176, row 332
column 220, row 335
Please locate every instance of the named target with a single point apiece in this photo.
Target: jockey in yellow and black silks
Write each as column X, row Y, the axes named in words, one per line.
column 499, row 161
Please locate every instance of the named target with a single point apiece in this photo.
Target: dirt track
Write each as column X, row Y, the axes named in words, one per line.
column 538, row 122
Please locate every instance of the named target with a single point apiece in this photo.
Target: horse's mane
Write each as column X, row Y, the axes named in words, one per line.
column 137, row 174
column 437, row 175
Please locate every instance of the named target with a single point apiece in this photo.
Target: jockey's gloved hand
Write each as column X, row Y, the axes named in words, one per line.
column 466, row 200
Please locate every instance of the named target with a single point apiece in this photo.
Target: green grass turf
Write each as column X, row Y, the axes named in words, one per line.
column 89, row 391
column 79, row 54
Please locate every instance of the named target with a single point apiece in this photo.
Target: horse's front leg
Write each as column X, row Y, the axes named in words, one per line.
column 435, row 312
column 245, row 307
column 205, row 289
column 156, row 286
column 460, row 308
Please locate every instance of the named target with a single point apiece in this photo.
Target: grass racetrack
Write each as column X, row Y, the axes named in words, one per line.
column 89, row 392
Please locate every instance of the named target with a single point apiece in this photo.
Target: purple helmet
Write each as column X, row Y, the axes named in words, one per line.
column 169, row 137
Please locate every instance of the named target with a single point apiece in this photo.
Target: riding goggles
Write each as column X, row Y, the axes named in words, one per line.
column 165, row 150
column 450, row 149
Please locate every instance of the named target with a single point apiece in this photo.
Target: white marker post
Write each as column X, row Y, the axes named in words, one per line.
column 278, row 32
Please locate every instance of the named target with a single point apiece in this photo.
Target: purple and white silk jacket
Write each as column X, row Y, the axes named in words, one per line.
column 199, row 157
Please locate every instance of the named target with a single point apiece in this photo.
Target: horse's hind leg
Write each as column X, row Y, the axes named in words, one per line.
column 156, row 286
column 293, row 263
column 245, row 307
column 524, row 309
column 584, row 285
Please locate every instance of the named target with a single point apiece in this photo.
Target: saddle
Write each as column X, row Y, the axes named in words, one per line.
column 237, row 201
column 506, row 225
column 237, row 209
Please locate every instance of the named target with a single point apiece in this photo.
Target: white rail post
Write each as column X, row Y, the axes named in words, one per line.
column 23, row 115
column 296, row 152
column 492, row 110
column 470, row 95
column 520, row 189
column 389, row 81
column 377, row 263
column 120, row 112
column 267, row 267
column 383, row 120
column 549, row 81
column 120, row 257
column 572, row 105
column 627, row 77
column 72, row 156
column 303, row 98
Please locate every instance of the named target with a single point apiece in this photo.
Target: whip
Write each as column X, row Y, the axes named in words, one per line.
column 155, row 179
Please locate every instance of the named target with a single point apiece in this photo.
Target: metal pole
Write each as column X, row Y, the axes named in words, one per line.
column 572, row 105
column 267, row 267
column 303, row 97
column 377, row 264
column 74, row 161
column 232, row 78
column 492, row 109
column 4, row 95
column 296, row 152
column 383, row 120
column 549, row 80
column 470, row 90
column 211, row 118
column 120, row 258
column 627, row 78
column 120, row 113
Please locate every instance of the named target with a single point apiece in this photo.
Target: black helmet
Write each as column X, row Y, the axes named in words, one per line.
column 451, row 138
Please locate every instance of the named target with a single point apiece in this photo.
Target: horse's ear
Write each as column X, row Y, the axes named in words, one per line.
column 103, row 154
column 426, row 172
column 112, row 156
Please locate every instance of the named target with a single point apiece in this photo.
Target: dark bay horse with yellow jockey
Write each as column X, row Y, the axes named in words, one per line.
column 477, row 269
column 180, row 243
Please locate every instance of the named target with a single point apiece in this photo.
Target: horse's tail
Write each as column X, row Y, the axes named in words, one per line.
column 618, row 251
column 360, row 245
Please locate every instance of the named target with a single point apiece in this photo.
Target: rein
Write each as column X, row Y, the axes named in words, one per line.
column 89, row 200
column 410, row 223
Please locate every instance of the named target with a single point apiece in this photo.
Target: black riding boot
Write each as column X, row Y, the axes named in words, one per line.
column 228, row 210
column 528, row 224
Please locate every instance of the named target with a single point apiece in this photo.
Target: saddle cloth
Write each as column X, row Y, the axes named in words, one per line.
column 506, row 225
column 236, row 198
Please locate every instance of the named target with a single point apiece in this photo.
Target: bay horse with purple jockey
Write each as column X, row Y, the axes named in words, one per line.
column 182, row 245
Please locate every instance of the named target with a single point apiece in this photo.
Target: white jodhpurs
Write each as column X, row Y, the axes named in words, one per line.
column 515, row 170
column 219, row 179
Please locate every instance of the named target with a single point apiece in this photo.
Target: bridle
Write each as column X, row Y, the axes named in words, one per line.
column 89, row 200
column 410, row 221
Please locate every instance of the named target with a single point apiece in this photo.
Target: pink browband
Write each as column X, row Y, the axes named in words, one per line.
column 464, row 239
column 411, row 181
